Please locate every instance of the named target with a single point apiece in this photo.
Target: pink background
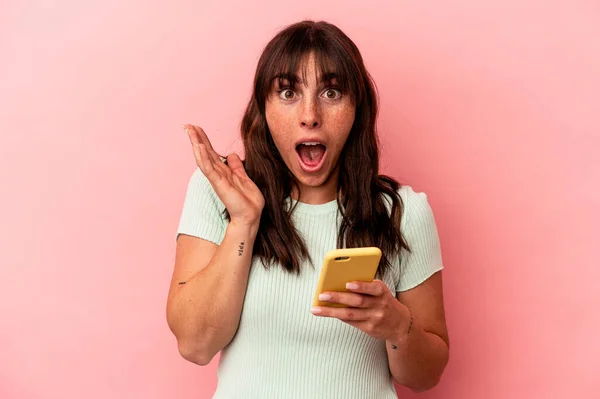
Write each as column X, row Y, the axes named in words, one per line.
column 490, row 107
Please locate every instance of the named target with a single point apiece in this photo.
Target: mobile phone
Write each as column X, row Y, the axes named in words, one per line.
column 341, row 266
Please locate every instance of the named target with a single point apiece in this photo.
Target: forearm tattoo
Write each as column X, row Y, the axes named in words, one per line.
column 240, row 252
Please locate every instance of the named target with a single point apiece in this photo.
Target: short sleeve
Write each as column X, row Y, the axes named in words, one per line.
column 202, row 214
column 420, row 231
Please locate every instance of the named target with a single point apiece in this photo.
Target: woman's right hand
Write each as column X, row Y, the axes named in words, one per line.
column 242, row 198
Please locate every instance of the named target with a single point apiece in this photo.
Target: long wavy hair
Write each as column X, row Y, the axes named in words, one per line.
column 365, row 218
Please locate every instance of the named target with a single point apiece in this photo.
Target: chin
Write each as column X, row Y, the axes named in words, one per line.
column 316, row 180
column 311, row 182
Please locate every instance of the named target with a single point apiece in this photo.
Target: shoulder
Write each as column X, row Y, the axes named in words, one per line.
column 414, row 203
column 418, row 214
column 419, row 229
column 199, row 179
column 202, row 213
column 407, row 193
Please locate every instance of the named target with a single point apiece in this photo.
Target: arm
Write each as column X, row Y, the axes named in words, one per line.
column 416, row 359
column 209, row 282
column 207, row 291
column 422, row 354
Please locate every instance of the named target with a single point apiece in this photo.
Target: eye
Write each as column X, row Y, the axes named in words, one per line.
column 286, row 94
column 332, row 94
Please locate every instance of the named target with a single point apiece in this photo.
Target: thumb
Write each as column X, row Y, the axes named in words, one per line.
column 235, row 164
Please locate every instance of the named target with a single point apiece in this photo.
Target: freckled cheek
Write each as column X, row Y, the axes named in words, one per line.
column 279, row 124
column 341, row 119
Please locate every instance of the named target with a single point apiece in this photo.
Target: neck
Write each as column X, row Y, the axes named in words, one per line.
column 322, row 194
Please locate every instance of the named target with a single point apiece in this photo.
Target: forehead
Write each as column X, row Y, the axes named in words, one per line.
column 308, row 72
column 308, row 65
column 318, row 67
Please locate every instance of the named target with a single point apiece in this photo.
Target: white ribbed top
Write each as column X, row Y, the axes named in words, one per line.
column 281, row 350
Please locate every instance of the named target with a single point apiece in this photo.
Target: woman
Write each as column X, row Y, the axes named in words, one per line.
column 253, row 234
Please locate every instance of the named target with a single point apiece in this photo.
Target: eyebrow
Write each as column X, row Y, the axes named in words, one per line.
column 295, row 79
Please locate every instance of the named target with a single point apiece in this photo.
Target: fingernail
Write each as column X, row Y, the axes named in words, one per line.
column 352, row 286
column 324, row 297
column 315, row 310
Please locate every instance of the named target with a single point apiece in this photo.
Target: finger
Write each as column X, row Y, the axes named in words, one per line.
column 344, row 314
column 206, row 165
column 220, row 164
column 236, row 165
column 197, row 139
column 374, row 288
column 188, row 131
column 347, row 298
column 203, row 138
column 197, row 134
column 192, row 135
column 214, row 159
column 198, row 157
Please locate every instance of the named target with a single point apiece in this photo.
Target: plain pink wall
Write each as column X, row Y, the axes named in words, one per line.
column 490, row 107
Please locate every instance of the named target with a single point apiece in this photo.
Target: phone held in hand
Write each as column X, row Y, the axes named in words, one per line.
column 341, row 266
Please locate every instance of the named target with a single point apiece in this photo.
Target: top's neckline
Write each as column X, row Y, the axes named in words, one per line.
column 313, row 209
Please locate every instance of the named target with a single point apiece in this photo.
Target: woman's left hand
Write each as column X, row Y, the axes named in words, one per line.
column 371, row 308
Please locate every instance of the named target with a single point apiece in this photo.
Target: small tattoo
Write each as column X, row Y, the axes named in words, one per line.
column 394, row 346
column 241, row 248
column 182, row 282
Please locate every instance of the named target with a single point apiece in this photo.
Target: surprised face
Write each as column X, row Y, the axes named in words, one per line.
column 310, row 124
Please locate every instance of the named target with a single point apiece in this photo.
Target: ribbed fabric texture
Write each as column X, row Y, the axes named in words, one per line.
column 281, row 350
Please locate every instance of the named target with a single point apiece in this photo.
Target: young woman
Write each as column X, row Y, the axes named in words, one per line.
column 253, row 234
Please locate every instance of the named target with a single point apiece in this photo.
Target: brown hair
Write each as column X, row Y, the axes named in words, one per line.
column 366, row 221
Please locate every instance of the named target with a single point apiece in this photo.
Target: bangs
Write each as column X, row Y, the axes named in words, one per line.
column 284, row 57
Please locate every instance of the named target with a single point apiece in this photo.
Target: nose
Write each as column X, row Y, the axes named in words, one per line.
column 310, row 115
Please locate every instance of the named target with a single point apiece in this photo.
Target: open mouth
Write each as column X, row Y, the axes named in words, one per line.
column 311, row 156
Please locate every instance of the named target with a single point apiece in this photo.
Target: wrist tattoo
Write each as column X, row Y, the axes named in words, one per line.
column 241, row 248
column 182, row 282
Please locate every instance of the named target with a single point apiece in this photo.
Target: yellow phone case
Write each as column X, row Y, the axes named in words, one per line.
column 341, row 266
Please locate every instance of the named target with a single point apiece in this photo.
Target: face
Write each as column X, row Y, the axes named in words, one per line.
column 309, row 125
